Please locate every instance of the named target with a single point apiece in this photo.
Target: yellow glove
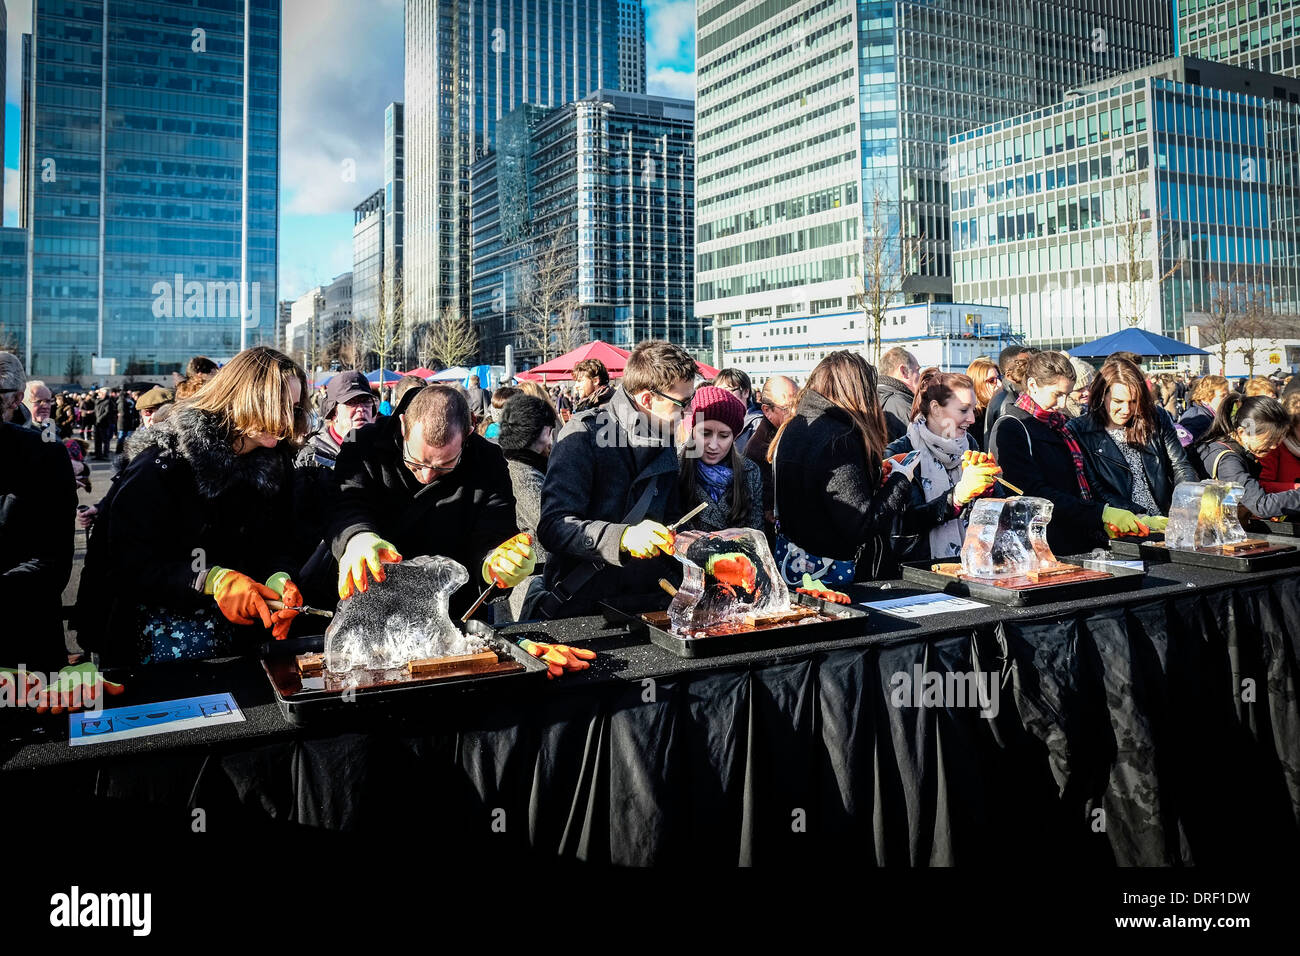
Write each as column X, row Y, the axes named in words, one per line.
column 1118, row 521
column 647, row 539
column 1155, row 522
column 975, row 481
column 511, row 562
column 365, row 550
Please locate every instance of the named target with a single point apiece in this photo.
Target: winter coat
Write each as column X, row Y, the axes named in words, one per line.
column 105, row 411
column 717, row 515
column 911, row 541
column 38, row 501
column 756, row 451
column 896, row 402
column 1004, row 397
column 599, row 468
column 753, row 418
column 1109, row 475
column 463, row 515
column 1197, row 420
column 320, row 448
column 596, row 399
column 1280, row 469
column 1228, row 461
column 1036, row 459
column 182, row 504
column 527, row 475
column 829, row 499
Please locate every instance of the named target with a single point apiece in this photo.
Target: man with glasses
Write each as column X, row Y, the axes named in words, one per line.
column 777, row 400
column 611, row 488
column 348, row 404
column 39, row 402
column 421, row 482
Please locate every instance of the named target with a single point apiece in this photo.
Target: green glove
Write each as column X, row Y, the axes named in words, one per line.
column 1118, row 521
column 1155, row 522
column 511, row 562
column 76, row 687
column 365, row 550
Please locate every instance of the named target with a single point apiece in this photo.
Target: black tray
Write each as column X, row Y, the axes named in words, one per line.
column 305, row 705
column 1122, row 579
column 849, row 622
column 1223, row 562
column 1140, row 548
column 1283, row 529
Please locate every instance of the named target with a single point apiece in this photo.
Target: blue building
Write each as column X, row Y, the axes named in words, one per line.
column 13, row 290
column 152, row 174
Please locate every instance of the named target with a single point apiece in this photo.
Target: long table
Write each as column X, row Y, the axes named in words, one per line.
column 1155, row 727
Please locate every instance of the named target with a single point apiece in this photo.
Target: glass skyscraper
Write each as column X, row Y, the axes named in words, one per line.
column 469, row 63
column 631, row 46
column 1258, row 35
column 612, row 177
column 815, row 117
column 1133, row 204
column 153, row 171
column 368, row 245
column 394, row 199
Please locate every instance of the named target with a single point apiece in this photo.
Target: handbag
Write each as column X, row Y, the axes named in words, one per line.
column 794, row 562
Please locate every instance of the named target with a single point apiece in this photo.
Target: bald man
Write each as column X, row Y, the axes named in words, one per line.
column 777, row 400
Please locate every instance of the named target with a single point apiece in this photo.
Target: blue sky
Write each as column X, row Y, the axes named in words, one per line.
column 342, row 64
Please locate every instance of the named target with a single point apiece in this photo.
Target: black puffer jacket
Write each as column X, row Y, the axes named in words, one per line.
column 896, row 402
column 184, row 503
column 1109, row 475
column 829, row 498
column 1228, row 461
column 911, row 539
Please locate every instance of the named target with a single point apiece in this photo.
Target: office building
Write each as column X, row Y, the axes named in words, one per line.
column 394, row 202
column 631, row 46
column 467, row 65
column 152, row 167
column 608, row 180
column 1259, row 35
column 368, row 266
column 1132, row 204
column 816, row 119
column 13, row 291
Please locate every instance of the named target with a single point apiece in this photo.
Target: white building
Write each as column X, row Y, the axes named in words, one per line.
column 947, row 334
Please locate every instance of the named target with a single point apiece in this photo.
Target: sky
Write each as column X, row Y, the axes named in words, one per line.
column 342, row 65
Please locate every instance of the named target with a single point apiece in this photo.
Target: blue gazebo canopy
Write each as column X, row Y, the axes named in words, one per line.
column 1139, row 341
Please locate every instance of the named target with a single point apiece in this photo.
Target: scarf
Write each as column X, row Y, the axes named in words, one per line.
column 1292, row 445
column 715, row 480
column 1056, row 422
column 940, row 469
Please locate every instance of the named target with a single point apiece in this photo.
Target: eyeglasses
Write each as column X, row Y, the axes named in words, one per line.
column 992, row 379
column 425, row 466
column 679, row 402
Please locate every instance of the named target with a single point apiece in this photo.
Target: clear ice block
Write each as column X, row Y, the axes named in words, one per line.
column 1007, row 537
column 1204, row 515
column 726, row 576
column 402, row 619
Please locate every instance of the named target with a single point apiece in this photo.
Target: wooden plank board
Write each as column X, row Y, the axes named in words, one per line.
column 433, row 666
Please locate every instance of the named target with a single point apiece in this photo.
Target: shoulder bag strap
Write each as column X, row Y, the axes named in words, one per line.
column 1214, row 472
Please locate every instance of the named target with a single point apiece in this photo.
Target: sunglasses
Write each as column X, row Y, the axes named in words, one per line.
column 679, row 402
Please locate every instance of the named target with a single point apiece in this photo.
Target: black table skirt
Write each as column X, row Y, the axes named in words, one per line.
column 1161, row 730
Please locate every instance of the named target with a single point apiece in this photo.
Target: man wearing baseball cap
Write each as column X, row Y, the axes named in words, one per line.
column 348, row 404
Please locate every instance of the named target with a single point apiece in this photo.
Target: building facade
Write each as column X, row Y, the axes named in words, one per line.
column 13, row 291
column 1141, row 203
column 368, row 262
column 603, row 188
column 469, row 63
column 631, row 46
column 1260, row 35
column 819, row 119
column 152, row 168
column 394, row 202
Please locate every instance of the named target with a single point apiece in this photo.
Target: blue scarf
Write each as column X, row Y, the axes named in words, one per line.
column 714, row 479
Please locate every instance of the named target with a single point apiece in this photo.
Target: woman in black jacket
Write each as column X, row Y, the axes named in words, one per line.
column 1132, row 453
column 1038, row 453
column 201, row 514
column 1245, row 430
column 934, row 524
column 827, row 462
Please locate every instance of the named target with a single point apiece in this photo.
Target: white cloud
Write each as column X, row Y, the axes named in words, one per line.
column 11, row 197
column 670, row 32
column 20, row 22
column 342, row 64
column 665, row 81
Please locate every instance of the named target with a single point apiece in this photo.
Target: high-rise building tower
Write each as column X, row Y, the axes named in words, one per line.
column 1259, row 35
column 631, row 46
column 469, row 63
column 394, row 202
column 816, row 119
column 153, row 171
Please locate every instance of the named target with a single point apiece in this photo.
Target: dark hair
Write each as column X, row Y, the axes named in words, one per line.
column 1007, row 354
column 736, row 378
column 200, row 365
column 1127, row 356
column 591, row 368
column 1045, row 367
column 1118, row 371
column 404, row 385
column 655, row 365
column 1016, row 371
column 443, row 412
column 522, row 419
column 740, row 503
column 503, row 395
column 1259, row 414
column 937, row 385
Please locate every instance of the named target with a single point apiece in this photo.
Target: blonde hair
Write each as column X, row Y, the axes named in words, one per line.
column 978, row 372
column 1260, row 386
column 250, row 395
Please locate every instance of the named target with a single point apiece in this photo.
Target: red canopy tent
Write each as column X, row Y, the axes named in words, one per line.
column 614, row 359
column 421, row 372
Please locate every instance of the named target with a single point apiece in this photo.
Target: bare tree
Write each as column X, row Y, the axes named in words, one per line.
column 1132, row 275
column 571, row 327
column 1224, row 312
column 887, row 261
column 383, row 334
column 547, row 296
column 448, row 340
column 1259, row 324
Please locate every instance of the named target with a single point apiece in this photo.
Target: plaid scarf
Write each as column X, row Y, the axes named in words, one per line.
column 1056, row 422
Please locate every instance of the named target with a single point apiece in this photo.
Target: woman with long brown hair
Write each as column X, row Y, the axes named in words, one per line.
column 827, row 462
column 196, row 535
column 987, row 379
column 1132, row 453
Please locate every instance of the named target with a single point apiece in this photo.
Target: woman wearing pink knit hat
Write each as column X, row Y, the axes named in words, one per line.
column 713, row 472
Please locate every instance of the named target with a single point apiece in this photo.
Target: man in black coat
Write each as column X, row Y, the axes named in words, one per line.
column 105, row 423
column 900, row 373
column 38, row 501
column 611, row 487
column 421, row 482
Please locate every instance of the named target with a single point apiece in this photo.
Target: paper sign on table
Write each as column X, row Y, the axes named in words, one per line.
column 143, row 720
column 1135, row 565
column 923, row 605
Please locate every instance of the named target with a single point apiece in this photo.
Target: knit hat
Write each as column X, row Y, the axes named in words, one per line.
column 713, row 404
column 522, row 419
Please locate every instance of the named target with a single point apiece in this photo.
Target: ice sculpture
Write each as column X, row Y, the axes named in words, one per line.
column 1204, row 515
column 402, row 619
column 727, row 576
column 1007, row 537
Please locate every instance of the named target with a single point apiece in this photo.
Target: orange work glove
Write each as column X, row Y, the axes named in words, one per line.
column 290, row 596
column 560, row 658
column 812, row 589
column 241, row 599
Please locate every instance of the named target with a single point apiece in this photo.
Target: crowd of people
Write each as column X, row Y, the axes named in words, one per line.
column 240, row 494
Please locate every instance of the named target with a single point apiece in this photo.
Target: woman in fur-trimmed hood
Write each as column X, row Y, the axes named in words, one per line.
column 197, row 534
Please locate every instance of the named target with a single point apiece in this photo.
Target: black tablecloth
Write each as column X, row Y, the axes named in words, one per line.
column 1158, row 727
